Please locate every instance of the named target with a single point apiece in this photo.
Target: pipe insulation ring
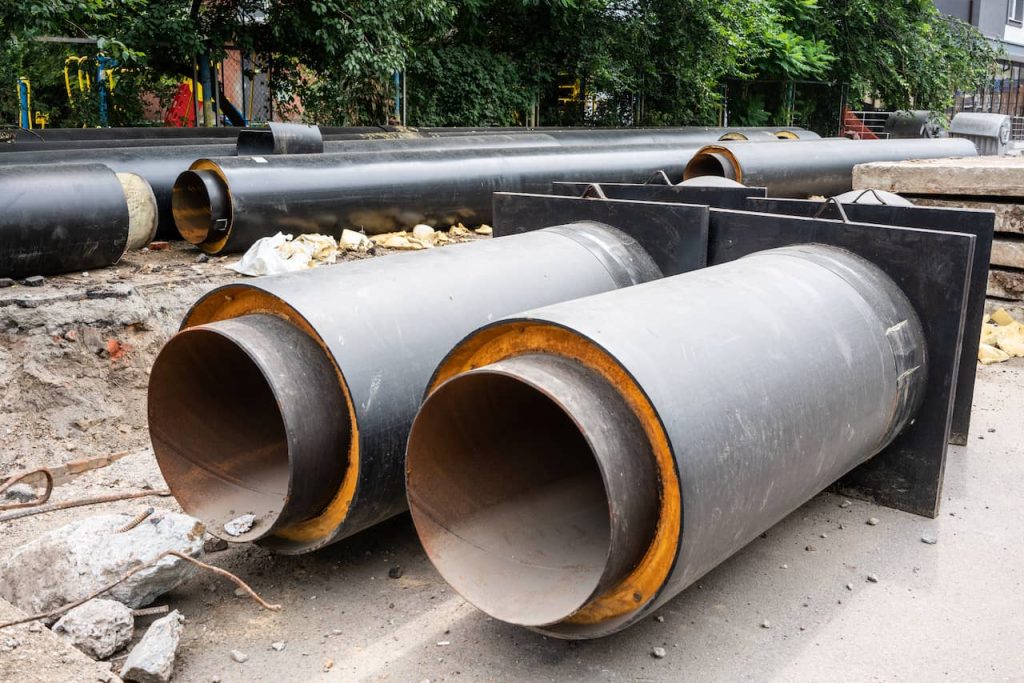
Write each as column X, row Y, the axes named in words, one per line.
column 823, row 365
column 142, row 210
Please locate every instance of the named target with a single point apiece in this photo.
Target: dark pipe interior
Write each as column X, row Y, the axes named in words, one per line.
column 508, row 499
column 197, row 201
column 218, row 432
column 706, row 164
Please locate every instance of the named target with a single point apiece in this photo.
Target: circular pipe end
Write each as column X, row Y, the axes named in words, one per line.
column 711, row 162
column 200, row 205
column 142, row 210
column 525, row 499
column 246, row 418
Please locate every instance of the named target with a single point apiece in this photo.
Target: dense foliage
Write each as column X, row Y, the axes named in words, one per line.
column 499, row 62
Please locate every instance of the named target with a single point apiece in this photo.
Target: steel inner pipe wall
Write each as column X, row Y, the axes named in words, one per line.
column 386, row 191
column 238, row 427
column 805, row 168
column 738, row 425
column 80, row 218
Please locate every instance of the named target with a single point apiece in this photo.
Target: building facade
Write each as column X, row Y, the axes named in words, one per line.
column 1002, row 22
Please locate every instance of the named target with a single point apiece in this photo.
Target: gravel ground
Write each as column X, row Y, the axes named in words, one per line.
column 953, row 610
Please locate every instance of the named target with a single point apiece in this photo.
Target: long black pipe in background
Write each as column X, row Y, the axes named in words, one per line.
column 225, row 205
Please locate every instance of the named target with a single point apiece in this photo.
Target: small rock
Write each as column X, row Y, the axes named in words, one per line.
column 99, row 628
column 202, row 258
column 21, row 493
column 240, row 593
column 159, row 246
column 991, row 430
column 824, row 535
column 660, row 619
column 423, row 232
column 278, row 646
column 34, row 281
column 845, row 504
column 395, row 572
column 849, row 586
column 35, row 627
column 75, row 560
column 240, row 525
column 6, row 282
column 152, row 660
column 443, row 643
column 810, row 548
column 872, row 578
column 239, row 657
column 658, row 653
column 214, row 545
column 929, row 539
column 9, row 644
column 872, row 521
column 766, row 624
column 484, row 230
column 328, row 665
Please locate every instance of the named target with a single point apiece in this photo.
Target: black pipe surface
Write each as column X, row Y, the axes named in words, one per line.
column 740, row 425
column 79, row 223
column 388, row 191
column 806, row 168
column 226, row 407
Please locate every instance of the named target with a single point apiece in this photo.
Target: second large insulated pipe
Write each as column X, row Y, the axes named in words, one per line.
column 806, row 168
column 225, row 205
column 290, row 397
column 574, row 467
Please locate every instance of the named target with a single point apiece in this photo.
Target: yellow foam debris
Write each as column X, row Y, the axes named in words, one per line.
column 988, row 354
column 1001, row 339
column 1001, row 317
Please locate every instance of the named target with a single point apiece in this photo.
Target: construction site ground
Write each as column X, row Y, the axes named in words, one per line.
column 796, row 604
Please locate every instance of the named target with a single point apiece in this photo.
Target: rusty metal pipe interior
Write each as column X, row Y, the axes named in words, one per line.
column 528, row 463
column 238, row 399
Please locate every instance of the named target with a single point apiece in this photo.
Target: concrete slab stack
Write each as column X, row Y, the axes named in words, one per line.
column 995, row 183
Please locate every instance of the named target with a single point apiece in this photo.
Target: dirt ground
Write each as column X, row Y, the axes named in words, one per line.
column 74, row 358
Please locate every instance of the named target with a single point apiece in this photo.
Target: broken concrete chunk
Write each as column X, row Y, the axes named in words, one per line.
column 74, row 561
column 99, row 628
column 240, row 525
column 152, row 660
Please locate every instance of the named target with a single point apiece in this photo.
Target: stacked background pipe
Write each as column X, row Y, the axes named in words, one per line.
column 806, row 168
column 290, row 397
column 575, row 467
column 161, row 165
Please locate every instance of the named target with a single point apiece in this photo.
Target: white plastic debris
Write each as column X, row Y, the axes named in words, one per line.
column 286, row 254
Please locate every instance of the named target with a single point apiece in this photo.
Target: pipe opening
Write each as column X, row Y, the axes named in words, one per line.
column 220, row 435
column 509, row 498
column 198, row 202
column 709, row 164
column 247, row 417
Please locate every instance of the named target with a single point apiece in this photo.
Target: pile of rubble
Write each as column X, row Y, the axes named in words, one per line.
column 91, row 580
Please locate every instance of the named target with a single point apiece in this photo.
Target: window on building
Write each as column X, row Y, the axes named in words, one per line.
column 1016, row 12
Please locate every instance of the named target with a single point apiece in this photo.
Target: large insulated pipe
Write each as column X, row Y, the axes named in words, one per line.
column 290, row 397
column 86, row 217
column 225, row 205
column 575, row 467
column 805, row 168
